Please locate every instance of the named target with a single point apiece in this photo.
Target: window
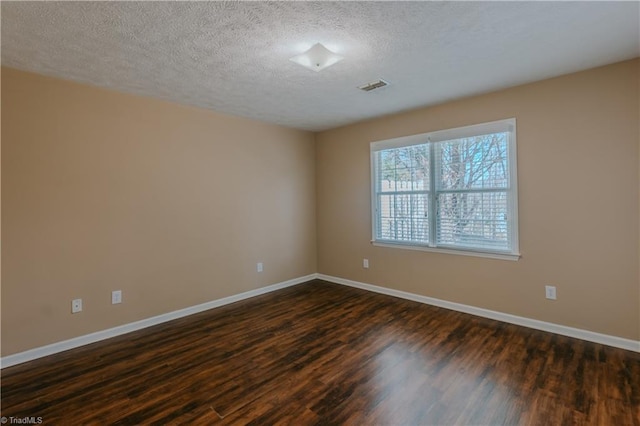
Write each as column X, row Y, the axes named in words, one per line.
column 452, row 190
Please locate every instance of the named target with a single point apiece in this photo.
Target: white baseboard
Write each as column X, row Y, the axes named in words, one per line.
column 54, row 348
column 605, row 339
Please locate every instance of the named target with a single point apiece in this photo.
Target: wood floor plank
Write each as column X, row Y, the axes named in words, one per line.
column 321, row 353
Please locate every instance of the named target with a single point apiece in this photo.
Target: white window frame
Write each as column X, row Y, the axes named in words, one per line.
column 501, row 126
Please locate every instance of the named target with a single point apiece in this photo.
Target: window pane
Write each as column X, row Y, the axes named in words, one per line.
column 420, row 164
column 404, row 169
column 402, row 191
column 476, row 219
column 474, row 163
column 404, row 217
column 387, row 217
column 420, row 217
column 386, row 170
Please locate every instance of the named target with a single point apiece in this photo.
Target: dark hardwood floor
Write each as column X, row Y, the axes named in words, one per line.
column 321, row 353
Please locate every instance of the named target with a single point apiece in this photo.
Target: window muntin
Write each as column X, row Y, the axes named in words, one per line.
column 452, row 189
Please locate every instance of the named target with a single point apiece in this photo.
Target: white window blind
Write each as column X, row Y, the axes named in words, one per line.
column 454, row 189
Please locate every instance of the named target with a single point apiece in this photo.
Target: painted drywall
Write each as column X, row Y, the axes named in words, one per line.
column 578, row 165
column 173, row 205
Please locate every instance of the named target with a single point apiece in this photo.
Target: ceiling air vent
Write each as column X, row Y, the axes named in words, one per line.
column 373, row 85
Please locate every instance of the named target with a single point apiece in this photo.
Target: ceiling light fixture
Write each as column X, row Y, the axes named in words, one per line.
column 317, row 58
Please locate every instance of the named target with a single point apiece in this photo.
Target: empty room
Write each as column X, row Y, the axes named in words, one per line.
column 358, row 213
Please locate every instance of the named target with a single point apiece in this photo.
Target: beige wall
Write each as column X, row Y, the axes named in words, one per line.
column 171, row 204
column 175, row 205
column 578, row 142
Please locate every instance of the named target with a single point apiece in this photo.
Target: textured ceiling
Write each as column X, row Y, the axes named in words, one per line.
column 234, row 57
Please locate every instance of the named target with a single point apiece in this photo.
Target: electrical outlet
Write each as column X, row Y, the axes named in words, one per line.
column 76, row 306
column 116, row 297
column 365, row 263
column 259, row 267
column 550, row 292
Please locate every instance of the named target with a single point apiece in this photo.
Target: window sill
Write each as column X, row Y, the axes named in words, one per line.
column 489, row 255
